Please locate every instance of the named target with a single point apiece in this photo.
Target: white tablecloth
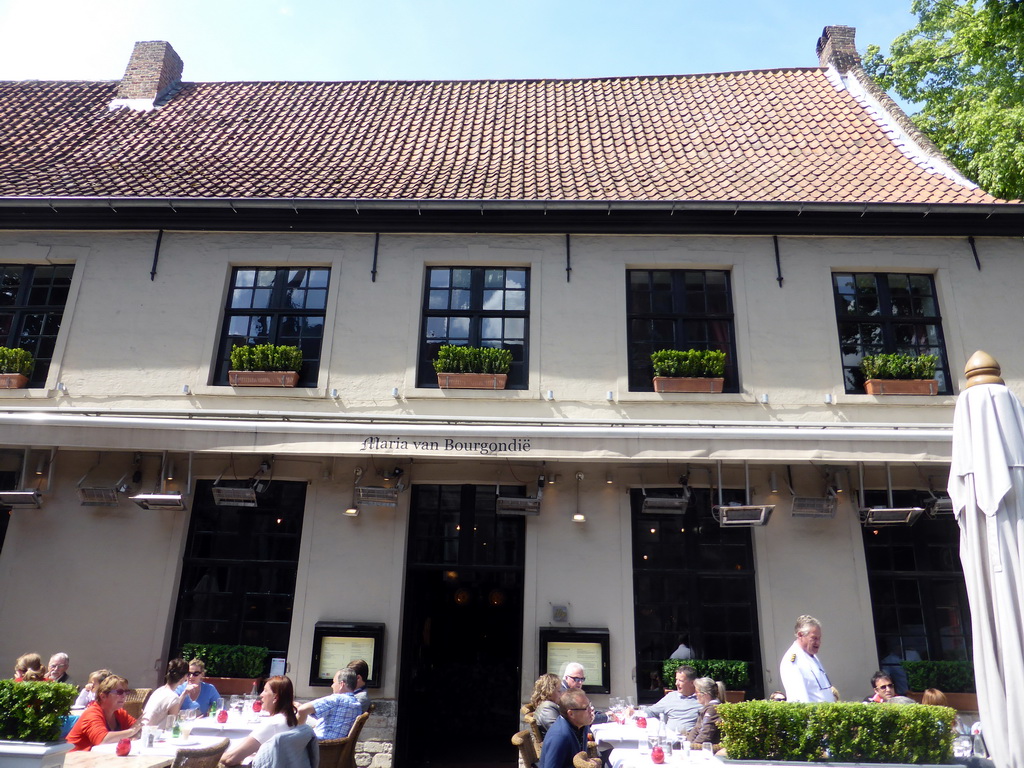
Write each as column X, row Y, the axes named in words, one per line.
column 616, row 735
column 169, row 747
column 624, row 757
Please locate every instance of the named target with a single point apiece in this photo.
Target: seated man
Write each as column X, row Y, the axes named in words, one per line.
column 338, row 711
column 570, row 732
column 679, row 706
column 574, row 677
column 362, row 670
column 883, row 688
column 57, row 670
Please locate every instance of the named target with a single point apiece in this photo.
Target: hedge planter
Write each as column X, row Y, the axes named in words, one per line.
column 13, row 381
column 472, row 380
column 901, row 387
column 33, row 754
column 687, row 384
column 263, row 378
column 234, row 686
column 961, row 702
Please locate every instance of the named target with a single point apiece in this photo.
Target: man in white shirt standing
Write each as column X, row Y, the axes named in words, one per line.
column 800, row 670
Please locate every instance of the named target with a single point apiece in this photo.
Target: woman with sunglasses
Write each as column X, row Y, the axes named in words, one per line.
column 199, row 694
column 105, row 720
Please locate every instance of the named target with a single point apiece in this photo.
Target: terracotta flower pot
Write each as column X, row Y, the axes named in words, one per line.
column 13, row 381
column 901, row 387
column 263, row 378
column 472, row 380
column 687, row 384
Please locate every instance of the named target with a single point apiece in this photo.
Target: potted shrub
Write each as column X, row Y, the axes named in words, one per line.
column 734, row 674
column 688, row 370
column 15, row 367
column 472, row 367
column 953, row 678
column 31, row 720
column 265, row 365
column 900, row 374
column 231, row 669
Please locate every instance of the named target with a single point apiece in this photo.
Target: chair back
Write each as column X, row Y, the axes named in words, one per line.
column 206, row 757
column 523, row 741
column 538, row 738
column 294, row 748
column 136, row 700
column 347, row 758
column 582, row 760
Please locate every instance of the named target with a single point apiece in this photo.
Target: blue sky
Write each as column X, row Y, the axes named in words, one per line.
column 430, row 39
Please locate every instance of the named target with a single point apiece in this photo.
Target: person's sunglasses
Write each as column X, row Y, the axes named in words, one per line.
column 120, row 691
column 581, row 709
column 195, row 674
column 884, row 687
column 577, row 679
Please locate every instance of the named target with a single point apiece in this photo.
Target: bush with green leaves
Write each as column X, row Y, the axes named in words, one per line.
column 16, row 360
column 692, row 363
column 735, row 674
column 34, row 711
column 844, row 732
column 899, row 366
column 266, row 357
column 228, row 660
column 948, row 676
column 456, row 359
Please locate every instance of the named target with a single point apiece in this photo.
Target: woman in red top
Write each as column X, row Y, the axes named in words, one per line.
column 105, row 720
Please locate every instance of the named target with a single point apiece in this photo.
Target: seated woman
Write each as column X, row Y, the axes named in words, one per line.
column 933, row 697
column 709, row 695
column 543, row 703
column 278, row 698
column 166, row 701
column 202, row 695
column 87, row 695
column 105, row 720
column 26, row 662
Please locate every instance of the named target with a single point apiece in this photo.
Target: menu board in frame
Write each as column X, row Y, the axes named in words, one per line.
column 589, row 647
column 336, row 643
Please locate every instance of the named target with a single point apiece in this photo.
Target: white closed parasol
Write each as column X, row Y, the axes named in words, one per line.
column 986, row 484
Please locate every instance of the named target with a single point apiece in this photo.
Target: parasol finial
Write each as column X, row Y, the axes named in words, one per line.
column 982, row 368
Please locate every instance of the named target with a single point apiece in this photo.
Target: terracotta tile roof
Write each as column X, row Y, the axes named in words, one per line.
column 773, row 135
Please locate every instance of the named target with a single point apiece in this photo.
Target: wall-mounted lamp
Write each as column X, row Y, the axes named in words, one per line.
column 764, row 398
column 610, row 396
column 185, row 390
column 554, row 479
column 170, row 469
column 579, row 517
column 549, row 395
column 774, row 483
column 41, row 465
column 394, row 392
column 334, row 394
column 62, row 387
column 609, row 479
column 828, row 398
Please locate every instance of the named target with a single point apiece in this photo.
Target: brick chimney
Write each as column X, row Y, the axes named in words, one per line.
column 152, row 72
column 836, row 49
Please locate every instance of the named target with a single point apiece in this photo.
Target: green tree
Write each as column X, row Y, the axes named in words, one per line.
column 962, row 65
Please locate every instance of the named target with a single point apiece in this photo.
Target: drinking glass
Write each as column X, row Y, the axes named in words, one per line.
column 631, row 701
column 185, row 724
column 708, row 748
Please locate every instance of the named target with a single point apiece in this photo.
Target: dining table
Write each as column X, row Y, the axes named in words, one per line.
column 160, row 755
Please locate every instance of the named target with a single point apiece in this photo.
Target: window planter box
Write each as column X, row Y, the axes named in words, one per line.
column 13, row 381
column 687, row 384
column 263, row 378
column 472, row 380
column 901, row 387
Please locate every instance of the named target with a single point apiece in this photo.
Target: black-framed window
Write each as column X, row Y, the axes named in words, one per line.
column 32, row 300
column 476, row 307
column 276, row 305
column 678, row 309
column 918, row 594
column 238, row 572
column 693, row 583
column 888, row 312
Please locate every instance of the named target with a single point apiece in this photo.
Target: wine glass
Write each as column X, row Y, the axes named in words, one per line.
column 185, row 723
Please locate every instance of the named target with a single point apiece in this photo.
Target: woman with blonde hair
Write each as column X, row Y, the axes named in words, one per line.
column 543, row 703
column 26, row 662
column 709, row 695
column 105, row 720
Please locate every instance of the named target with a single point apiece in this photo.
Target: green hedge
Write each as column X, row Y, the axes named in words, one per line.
column 228, row 660
column 735, row 674
column 266, row 357
column 455, row 359
column 694, row 363
column 948, row 676
column 34, row 711
column 837, row 733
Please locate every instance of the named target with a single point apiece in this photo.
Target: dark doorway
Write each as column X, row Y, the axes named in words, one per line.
column 461, row 630
column 238, row 575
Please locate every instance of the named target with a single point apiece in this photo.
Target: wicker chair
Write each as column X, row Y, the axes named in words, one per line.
column 136, row 700
column 581, row 760
column 524, row 742
column 206, row 757
column 538, row 738
column 341, row 753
